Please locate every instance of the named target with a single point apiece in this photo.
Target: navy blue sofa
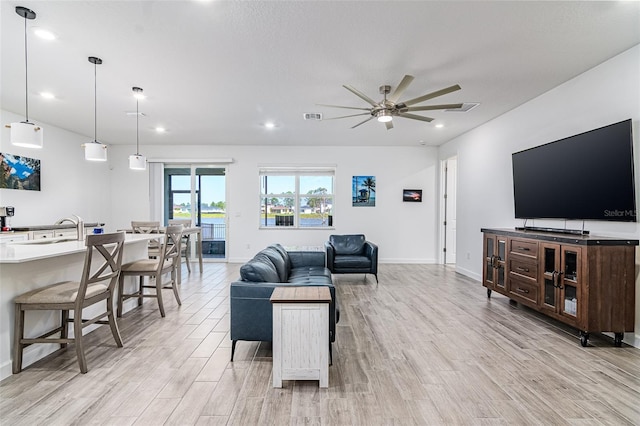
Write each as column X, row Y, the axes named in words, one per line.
column 250, row 308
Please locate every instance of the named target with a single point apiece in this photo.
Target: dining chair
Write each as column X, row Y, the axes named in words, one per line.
column 167, row 262
column 148, row 227
column 102, row 265
column 186, row 240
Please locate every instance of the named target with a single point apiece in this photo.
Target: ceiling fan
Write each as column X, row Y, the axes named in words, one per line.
column 390, row 107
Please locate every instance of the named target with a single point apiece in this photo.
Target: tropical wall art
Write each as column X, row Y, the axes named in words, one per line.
column 363, row 190
column 19, row 172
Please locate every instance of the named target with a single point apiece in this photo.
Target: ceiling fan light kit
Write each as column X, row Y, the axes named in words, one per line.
column 25, row 133
column 390, row 107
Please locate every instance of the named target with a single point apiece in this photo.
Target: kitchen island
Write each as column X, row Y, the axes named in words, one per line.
column 31, row 264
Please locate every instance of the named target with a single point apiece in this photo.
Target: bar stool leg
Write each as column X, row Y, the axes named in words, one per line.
column 18, row 335
column 159, row 294
column 64, row 332
column 77, row 336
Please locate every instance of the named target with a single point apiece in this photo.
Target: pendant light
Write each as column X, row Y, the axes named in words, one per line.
column 94, row 150
column 137, row 161
column 25, row 133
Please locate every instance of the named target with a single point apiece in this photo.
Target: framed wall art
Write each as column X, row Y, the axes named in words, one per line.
column 363, row 191
column 412, row 195
column 22, row 173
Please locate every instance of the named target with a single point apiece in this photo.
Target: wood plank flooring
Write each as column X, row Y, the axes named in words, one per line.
column 423, row 347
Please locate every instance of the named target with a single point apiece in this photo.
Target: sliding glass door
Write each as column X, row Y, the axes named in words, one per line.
column 198, row 193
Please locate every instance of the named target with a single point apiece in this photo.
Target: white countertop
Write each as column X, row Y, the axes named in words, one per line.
column 25, row 251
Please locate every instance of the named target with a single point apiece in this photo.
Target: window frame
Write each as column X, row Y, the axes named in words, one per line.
column 297, row 172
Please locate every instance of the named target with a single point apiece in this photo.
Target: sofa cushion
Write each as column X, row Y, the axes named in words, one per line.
column 285, row 255
column 259, row 269
column 348, row 262
column 348, row 244
column 310, row 271
column 278, row 261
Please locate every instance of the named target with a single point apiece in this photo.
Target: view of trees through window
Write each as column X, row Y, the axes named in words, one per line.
column 297, row 200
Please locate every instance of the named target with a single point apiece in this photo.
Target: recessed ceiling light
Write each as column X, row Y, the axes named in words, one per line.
column 160, row 129
column 439, row 126
column 47, row 95
column 269, row 125
column 44, row 34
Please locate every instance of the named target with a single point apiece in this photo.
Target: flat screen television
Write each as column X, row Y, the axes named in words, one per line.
column 588, row 176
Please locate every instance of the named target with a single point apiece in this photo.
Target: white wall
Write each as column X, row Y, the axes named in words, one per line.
column 603, row 95
column 405, row 232
column 69, row 184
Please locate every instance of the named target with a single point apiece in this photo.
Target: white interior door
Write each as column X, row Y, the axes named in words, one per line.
column 451, row 173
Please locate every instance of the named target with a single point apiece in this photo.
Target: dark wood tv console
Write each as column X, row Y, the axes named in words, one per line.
column 584, row 281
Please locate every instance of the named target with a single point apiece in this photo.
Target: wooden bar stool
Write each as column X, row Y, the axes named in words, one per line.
column 186, row 240
column 97, row 283
column 148, row 227
column 167, row 261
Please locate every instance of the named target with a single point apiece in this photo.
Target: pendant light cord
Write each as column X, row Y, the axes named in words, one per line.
column 137, row 128
column 95, row 102
column 26, row 72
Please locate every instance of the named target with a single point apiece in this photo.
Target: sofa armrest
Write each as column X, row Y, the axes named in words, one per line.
column 371, row 251
column 330, row 253
column 306, row 258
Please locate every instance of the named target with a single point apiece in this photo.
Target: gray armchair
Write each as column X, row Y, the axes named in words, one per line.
column 351, row 254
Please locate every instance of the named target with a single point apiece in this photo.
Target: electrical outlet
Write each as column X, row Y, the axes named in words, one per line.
column 248, row 246
column 468, row 256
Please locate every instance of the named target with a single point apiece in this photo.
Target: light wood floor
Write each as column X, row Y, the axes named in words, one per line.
column 425, row 347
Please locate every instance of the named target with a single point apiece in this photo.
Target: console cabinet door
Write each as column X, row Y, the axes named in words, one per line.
column 561, row 281
column 570, row 283
column 494, row 269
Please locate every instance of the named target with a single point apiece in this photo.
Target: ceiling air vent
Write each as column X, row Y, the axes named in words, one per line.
column 466, row 107
column 312, row 116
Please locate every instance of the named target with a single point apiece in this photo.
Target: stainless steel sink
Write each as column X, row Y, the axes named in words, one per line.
column 41, row 241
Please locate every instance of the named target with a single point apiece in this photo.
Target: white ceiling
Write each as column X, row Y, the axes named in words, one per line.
column 216, row 71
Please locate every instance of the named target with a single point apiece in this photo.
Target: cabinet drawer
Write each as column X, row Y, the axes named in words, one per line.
column 523, row 268
column 524, row 290
column 65, row 233
column 41, row 234
column 524, row 248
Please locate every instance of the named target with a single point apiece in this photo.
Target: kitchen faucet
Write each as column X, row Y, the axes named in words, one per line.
column 78, row 222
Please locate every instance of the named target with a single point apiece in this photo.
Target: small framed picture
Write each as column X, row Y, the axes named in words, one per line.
column 412, row 195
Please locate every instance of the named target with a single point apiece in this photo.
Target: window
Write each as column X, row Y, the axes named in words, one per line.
column 296, row 197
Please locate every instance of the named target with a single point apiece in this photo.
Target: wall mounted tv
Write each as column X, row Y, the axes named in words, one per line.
column 588, row 176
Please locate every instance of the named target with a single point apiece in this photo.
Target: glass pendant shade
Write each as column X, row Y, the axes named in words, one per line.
column 137, row 162
column 95, row 151
column 27, row 135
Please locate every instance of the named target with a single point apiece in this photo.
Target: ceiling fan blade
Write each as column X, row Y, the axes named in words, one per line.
column 360, row 95
column 432, row 107
column 431, row 95
column 347, row 107
column 406, row 81
column 362, row 122
column 389, row 125
column 346, row 116
column 415, row 117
